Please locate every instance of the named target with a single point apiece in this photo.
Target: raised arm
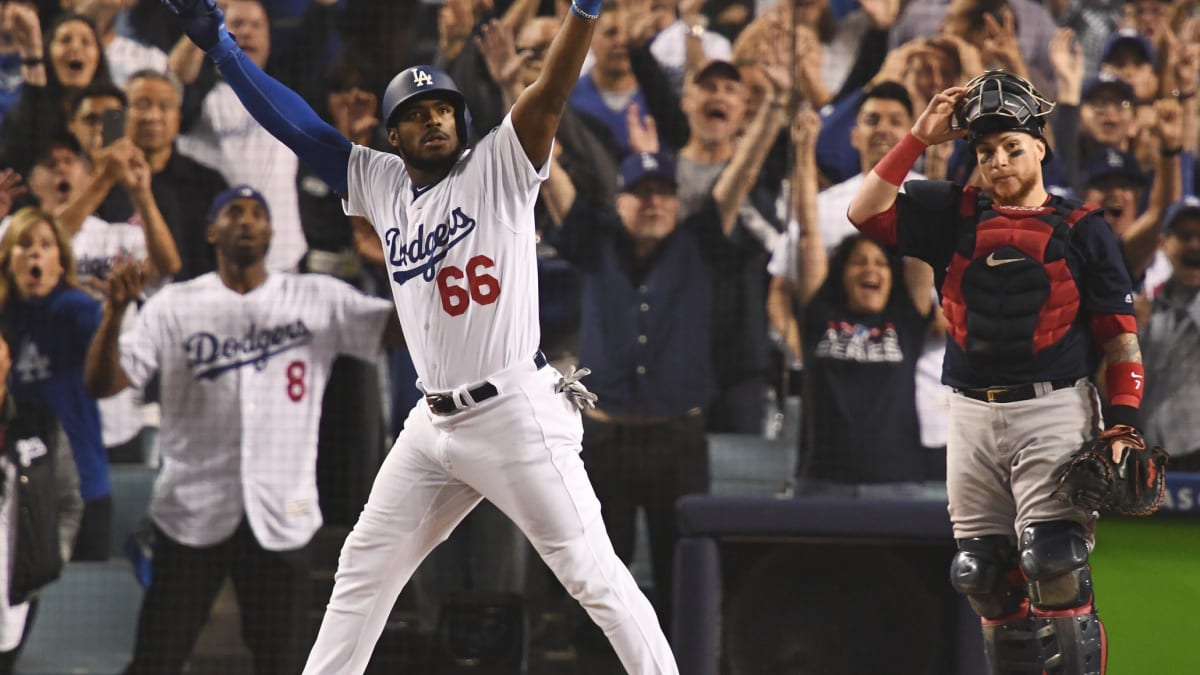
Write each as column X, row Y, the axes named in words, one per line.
column 877, row 195
column 278, row 109
column 810, row 253
column 811, row 263
column 109, row 167
column 738, row 178
column 537, row 110
column 160, row 245
column 102, row 372
column 1140, row 241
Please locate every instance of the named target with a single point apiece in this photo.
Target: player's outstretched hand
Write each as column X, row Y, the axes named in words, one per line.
column 202, row 20
column 575, row 391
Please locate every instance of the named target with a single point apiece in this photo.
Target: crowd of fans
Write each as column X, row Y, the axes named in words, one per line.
column 694, row 248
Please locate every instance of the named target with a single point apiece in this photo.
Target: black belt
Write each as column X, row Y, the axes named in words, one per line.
column 1013, row 393
column 443, row 404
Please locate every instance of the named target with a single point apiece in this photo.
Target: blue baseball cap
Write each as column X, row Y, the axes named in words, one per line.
column 1188, row 206
column 640, row 166
column 236, row 192
column 1109, row 162
column 1108, row 83
column 1127, row 37
column 718, row 68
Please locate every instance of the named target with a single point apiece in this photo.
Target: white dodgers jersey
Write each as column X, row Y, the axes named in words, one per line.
column 242, row 381
column 460, row 254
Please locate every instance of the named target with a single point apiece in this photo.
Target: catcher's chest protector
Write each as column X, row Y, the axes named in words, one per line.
column 1008, row 292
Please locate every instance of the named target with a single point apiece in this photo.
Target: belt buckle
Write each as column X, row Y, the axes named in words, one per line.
column 992, row 394
column 432, row 399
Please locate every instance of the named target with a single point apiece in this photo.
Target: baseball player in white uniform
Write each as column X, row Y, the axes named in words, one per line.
column 457, row 230
column 244, row 356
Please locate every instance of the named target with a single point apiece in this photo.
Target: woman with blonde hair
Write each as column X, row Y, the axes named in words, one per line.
column 49, row 323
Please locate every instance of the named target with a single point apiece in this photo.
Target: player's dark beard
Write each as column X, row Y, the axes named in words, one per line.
column 431, row 164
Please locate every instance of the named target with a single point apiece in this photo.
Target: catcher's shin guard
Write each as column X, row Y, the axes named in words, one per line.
column 1072, row 643
column 985, row 570
column 1054, row 558
column 1011, row 645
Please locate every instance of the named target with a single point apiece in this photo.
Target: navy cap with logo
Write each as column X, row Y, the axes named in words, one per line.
column 1111, row 162
column 643, row 165
column 1188, row 206
column 1107, row 83
column 236, row 192
column 1127, row 38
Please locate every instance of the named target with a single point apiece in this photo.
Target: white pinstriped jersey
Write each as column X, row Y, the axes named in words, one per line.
column 242, row 380
column 461, row 255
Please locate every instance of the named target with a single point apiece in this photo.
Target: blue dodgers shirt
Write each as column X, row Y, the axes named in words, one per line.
column 48, row 339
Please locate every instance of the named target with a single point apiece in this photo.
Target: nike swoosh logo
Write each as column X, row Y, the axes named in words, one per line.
column 992, row 261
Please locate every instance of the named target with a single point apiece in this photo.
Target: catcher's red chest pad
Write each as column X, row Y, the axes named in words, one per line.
column 1008, row 291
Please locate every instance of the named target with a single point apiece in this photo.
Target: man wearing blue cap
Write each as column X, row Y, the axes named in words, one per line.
column 244, row 354
column 1115, row 180
column 1129, row 55
column 645, row 332
column 498, row 423
column 1107, row 113
column 1171, row 342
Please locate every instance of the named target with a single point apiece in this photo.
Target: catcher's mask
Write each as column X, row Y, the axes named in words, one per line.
column 1000, row 101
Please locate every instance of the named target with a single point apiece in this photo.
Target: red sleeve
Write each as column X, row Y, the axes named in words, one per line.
column 1108, row 326
column 880, row 227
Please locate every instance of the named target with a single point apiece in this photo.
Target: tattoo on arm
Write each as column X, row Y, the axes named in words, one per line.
column 1123, row 349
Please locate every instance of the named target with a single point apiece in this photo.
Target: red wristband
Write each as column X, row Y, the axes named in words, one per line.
column 899, row 161
column 1125, row 382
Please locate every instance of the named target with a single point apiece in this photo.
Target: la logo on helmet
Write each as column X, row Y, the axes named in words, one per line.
column 422, row 78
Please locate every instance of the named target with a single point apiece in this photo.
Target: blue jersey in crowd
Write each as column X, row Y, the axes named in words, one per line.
column 49, row 339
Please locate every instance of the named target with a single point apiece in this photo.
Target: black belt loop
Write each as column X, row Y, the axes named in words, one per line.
column 444, row 404
column 1013, row 393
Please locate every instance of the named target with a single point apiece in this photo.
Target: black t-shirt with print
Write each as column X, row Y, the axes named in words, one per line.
column 859, row 421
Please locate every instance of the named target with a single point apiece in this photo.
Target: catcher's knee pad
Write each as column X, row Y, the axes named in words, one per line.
column 1054, row 558
column 985, row 570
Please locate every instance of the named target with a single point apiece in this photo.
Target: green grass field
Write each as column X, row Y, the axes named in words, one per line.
column 1147, row 580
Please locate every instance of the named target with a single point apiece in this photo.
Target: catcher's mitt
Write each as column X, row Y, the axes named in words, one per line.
column 1135, row 486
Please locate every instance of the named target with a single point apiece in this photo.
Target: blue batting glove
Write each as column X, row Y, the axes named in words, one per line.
column 202, row 20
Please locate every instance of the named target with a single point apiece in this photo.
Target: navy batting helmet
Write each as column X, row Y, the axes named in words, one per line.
column 1000, row 101
column 420, row 81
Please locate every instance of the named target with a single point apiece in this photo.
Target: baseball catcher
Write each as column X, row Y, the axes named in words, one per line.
column 1036, row 296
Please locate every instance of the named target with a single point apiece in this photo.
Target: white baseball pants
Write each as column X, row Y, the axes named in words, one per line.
column 520, row 450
